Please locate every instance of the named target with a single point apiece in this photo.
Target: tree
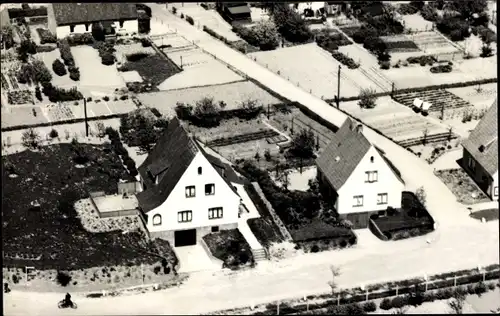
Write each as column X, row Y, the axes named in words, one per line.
column 303, row 144
column 101, row 129
column 290, row 24
column 41, row 73
column 421, row 195
column 267, row 35
column 467, row 8
column 145, row 134
column 98, row 32
column 456, row 304
column 367, row 98
column 332, row 283
column 58, row 68
column 206, row 107
column 25, row 49
column 31, row 139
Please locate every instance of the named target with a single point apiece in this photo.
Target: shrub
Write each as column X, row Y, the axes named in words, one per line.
column 486, row 51
column 80, row 39
column 369, row 307
column 74, row 73
column 441, row 69
column 386, row 304
column 315, row 248
column 66, row 54
column 182, row 15
column 38, row 93
column 45, row 49
column 399, row 301
column 174, row 10
column 385, row 65
column 105, row 98
column 46, row 36
column 53, row 133
column 367, row 99
column 155, row 112
column 157, row 269
column 63, row 278
column 480, row 288
column 189, row 20
column 58, row 68
column 345, row 60
column 107, row 59
column 429, row 13
column 15, row 278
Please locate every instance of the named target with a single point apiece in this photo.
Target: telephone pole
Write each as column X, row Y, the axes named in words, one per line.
column 86, row 123
column 338, row 88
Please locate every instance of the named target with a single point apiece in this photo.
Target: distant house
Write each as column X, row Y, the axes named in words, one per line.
column 357, row 177
column 234, row 11
column 187, row 193
column 69, row 18
column 480, row 154
column 333, row 7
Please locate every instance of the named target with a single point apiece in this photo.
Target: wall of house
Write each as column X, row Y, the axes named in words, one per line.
column 129, row 27
column 169, row 235
column 177, row 201
column 477, row 175
column 359, row 220
column 356, row 185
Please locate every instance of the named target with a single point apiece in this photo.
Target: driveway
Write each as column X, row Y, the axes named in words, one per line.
column 194, row 259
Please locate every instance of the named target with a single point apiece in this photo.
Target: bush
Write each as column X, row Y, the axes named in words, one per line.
column 63, row 278
column 107, row 59
column 385, row 65
column 46, row 36
column 367, row 99
column 422, row 60
column 45, row 49
column 369, row 307
column 58, row 68
column 74, row 73
column 66, row 54
column 182, row 15
column 136, row 56
column 105, row 98
column 315, row 248
column 345, row 60
column 189, row 20
column 155, row 112
column 429, row 13
column 480, row 288
column 53, row 133
column 157, row 269
column 38, row 93
column 80, row 39
column 399, row 301
column 386, row 304
column 441, row 69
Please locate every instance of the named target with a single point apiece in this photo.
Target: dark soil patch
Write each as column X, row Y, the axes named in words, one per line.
column 40, row 222
column 153, row 68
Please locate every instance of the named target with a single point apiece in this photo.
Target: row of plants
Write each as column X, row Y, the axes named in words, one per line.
column 56, row 94
column 34, row 72
column 45, row 49
column 208, row 113
column 423, row 89
column 69, row 61
column 345, row 60
column 80, row 39
column 106, row 52
column 330, row 41
column 46, row 36
column 441, row 69
column 120, row 150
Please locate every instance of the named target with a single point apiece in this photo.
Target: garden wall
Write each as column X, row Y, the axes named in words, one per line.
column 131, row 187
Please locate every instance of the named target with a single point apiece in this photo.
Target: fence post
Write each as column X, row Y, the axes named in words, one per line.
column 397, row 290
column 278, row 308
column 455, row 281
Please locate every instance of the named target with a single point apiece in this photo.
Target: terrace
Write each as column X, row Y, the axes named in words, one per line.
column 114, row 205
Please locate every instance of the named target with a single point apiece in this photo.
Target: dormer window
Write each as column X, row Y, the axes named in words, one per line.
column 121, row 24
column 371, row 159
column 71, row 28
column 86, row 27
column 199, row 170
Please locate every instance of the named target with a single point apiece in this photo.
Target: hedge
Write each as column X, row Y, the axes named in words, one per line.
column 58, row 68
column 26, row 13
column 189, row 20
column 66, row 54
column 45, row 49
column 46, row 36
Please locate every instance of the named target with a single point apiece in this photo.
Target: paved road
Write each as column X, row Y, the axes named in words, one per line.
column 458, row 243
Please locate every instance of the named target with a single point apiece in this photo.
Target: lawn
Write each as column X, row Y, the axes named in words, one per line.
column 232, row 94
column 318, row 75
column 488, row 214
column 412, row 219
column 153, row 68
column 53, row 232
column 14, row 116
column 462, row 186
column 319, row 236
column 231, row 247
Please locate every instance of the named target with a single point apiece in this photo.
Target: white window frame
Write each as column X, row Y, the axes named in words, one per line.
column 185, row 216
column 156, row 220
column 382, row 198
column 472, row 164
column 495, row 191
column 357, row 199
column 210, row 185
column 215, row 213
column 190, row 191
column 371, row 176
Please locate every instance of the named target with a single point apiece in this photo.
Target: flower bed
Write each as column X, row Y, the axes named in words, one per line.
column 409, row 221
column 231, row 247
column 441, row 69
column 462, row 186
column 402, row 46
column 20, row 97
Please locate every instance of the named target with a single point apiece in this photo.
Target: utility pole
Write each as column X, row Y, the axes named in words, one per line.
column 181, row 63
column 86, row 123
column 393, row 88
column 338, row 88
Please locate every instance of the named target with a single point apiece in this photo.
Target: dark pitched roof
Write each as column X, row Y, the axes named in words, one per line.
column 482, row 143
column 343, row 154
column 71, row 13
column 169, row 159
column 239, row 10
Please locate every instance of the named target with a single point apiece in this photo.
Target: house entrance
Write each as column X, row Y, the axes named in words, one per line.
column 185, row 238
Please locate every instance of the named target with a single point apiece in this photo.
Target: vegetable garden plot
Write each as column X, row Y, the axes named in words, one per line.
column 438, row 99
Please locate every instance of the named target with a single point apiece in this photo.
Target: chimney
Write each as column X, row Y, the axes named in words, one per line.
column 359, row 128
